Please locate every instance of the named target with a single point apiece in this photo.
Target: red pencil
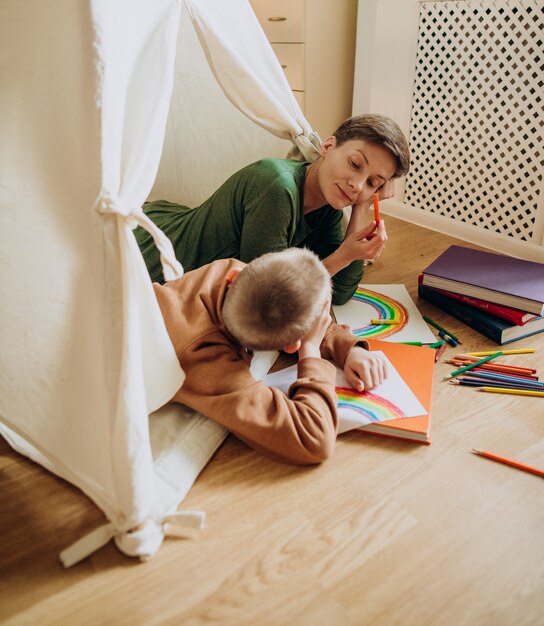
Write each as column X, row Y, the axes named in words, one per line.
column 376, row 208
column 517, row 464
column 439, row 352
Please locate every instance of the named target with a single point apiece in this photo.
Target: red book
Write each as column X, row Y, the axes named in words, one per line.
column 514, row 316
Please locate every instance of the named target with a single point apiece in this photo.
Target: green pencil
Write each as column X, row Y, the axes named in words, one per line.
column 438, row 327
column 475, row 364
column 428, row 344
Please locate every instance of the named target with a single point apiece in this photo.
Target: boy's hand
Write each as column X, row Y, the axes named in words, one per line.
column 311, row 341
column 363, row 369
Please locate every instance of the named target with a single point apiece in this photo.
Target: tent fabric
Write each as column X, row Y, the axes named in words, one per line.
column 85, row 354
column 249, row 73
column 86, row 365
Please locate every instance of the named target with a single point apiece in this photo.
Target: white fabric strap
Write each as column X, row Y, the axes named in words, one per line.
column 171, row 267
column 143, row 543
column 309, row 146
column 87, row 545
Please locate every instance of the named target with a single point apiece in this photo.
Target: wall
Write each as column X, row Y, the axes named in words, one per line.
column 475, row 83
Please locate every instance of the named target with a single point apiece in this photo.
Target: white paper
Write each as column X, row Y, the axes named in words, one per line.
column 392, row 399
column 384, row 302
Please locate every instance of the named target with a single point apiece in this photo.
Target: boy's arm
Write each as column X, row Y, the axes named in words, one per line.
column 298, row 428
column 337, row 343
column 362, row 369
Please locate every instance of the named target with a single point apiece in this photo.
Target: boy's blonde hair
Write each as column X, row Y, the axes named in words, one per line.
column 276, row 299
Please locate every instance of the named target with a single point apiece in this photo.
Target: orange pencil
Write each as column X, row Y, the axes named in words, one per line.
column 376, row 208
column 517, row 464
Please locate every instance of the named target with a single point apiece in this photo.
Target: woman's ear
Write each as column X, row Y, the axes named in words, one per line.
column 329, row 143
column 232, row 274
column 293, row 347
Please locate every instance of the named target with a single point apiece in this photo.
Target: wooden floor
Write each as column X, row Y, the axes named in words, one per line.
column 385, row 533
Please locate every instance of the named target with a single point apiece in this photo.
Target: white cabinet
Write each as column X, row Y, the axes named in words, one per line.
column 314, row 41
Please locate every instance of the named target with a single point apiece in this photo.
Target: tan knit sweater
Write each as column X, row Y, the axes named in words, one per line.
column 296, row 428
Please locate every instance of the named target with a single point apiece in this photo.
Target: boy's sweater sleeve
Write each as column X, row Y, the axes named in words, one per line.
column 299, row 427
column 338, row 341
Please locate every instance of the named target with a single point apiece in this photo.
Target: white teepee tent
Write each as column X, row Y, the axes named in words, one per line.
column 85, row 360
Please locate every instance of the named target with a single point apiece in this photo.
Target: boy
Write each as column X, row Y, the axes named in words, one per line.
column 218, row 314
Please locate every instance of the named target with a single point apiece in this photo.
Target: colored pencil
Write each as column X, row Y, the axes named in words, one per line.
column 385, row 321
column 519, row 392
column 447, row 338
column 505, row 377
column 496, row 366
column 439, row 351
column 438, row 327
column 531, row 384
column 475, row 364
column 376, row 208
column 488, row 383
column 428, row 344
column 488, row 370
column 511, row 462
column 523, row 351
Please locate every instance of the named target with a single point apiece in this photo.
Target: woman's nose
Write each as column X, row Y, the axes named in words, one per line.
column 357, row 184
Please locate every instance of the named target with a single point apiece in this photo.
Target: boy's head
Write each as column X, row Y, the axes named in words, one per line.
column 379, row 131
column 276, row 299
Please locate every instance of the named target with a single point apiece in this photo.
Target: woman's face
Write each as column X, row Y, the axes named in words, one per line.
column 352, row 172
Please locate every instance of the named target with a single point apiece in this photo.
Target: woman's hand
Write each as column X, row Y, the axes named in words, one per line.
column 364, row 244
column 364, row 369
column 386, row 191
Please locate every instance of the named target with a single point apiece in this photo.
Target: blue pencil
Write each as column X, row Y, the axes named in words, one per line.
column 504, row 377
column 499, row 385
column 448, row 338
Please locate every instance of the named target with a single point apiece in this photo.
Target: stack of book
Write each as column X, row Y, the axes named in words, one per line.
column 499, row 296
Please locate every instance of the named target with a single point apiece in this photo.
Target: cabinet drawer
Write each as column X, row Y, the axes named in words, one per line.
column 282, row 20
column 291, row 57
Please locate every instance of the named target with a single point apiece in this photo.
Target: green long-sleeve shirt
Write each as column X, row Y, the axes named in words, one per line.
column 257, row 210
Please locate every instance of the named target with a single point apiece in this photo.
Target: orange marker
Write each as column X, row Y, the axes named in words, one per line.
column 376, row 208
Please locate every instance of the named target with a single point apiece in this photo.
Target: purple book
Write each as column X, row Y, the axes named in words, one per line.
column 493, row 277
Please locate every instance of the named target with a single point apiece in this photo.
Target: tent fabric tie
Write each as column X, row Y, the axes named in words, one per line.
column 142, row 543
column 171, row 267
column 309, row 145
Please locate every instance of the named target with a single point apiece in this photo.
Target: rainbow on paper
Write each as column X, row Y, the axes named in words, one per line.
column 373, row 407
column 386, row 309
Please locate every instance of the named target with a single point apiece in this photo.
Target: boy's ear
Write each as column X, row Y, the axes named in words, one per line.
column 292, row 348
column 232, row 274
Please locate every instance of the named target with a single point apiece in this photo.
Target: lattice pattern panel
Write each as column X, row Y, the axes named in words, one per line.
column 476, row 135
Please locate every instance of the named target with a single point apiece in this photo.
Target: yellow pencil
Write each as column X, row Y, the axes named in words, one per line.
column 518, row 392
column 385, row 321
column 523, row 351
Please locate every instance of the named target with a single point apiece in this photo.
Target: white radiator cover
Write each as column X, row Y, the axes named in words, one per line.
column 478, row 115
column 465, row 81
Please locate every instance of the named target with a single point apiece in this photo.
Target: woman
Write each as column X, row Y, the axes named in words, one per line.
column 278, row 203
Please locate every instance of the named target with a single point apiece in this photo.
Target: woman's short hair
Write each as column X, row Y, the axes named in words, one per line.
column 380, row 131
column 276, row 299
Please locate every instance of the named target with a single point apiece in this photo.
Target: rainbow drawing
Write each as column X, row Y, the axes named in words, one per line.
column 386, row 309
column 375, row 408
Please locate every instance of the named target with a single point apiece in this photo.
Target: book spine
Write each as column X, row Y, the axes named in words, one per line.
column 467, row 314
column 510, row 315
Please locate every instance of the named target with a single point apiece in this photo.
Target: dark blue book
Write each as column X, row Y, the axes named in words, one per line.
column 497, row 329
